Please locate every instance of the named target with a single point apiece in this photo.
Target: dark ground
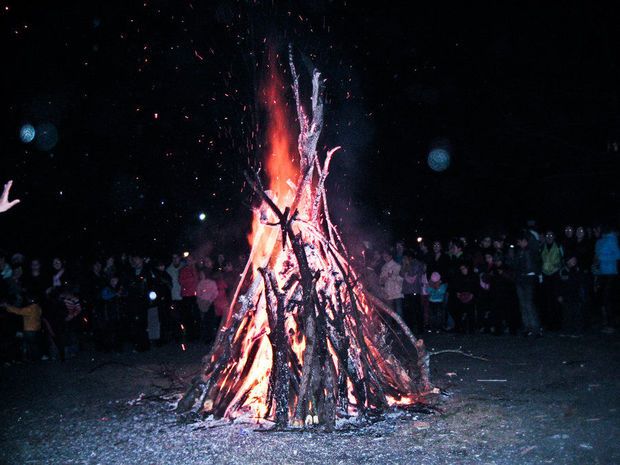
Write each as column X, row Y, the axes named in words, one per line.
column 560, row 404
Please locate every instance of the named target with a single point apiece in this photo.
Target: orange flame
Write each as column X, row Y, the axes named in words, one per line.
column 244, row 388
column 280, row 164
column 281, row 170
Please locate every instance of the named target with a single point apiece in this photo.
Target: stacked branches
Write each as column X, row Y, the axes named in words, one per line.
column 304, row 343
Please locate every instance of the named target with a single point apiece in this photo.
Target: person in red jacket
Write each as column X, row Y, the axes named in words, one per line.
column 190, row 313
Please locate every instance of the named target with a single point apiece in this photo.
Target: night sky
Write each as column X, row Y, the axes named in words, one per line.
column 155, row 105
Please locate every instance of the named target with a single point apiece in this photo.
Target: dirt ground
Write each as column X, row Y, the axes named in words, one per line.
column 554, row 399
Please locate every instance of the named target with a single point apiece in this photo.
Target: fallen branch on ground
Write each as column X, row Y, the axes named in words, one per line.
column 457, row 351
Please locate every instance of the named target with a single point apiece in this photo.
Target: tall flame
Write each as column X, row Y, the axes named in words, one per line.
column 280, row 160
column 242, row 386
column 281, row 169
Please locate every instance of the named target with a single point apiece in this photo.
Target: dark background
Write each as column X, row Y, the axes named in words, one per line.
column 527, row 97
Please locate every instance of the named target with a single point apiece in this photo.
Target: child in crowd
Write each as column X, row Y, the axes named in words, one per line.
column 31, row 314
column 437, row 294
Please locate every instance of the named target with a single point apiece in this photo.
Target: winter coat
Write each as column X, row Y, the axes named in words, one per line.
column 138, row 285
column 437, row 294
column 608, row 253
column 221, row 302
column 206, row 293
column 569, row 286
column 414, row 278
column 584, row 251
column 110, row 309
column 174, row 272
column 464, row 287
column 441, row 265
column 188, row 279
column 551, row 258
column 526, row 262
column 391, row 280
column 162, row 285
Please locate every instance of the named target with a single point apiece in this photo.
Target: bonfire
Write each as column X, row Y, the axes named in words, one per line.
column 304, row 343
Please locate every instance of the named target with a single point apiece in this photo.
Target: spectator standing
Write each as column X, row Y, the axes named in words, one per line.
column 371, row 272
column 190, row 314
column 499, row 251
column 526, row 264
column 206, row 293
column 607, row 254
column 399, row 252
column 110, row 318
column 138, row 282
column 463, row 298
column 484, row 245
column 60, row 276
column 35, row 281
column 414, row 282
column 505, row 309
column 71, row 323
column 584, row 249
column 392, row 282
column 568, row 240
column 570, row 297
column 552, row 255
column 222, row 302
column 175, row 292
column 485, row 305
column 437, row 298
column 456, row 250
column 422, row 253
column 90, row 290
column 439, row 262
column 31, row 314
column 162, row 286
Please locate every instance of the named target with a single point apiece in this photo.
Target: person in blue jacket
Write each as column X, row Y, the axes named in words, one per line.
column 607, row 254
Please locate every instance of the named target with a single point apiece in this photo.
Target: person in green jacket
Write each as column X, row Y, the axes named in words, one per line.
column 552, row 260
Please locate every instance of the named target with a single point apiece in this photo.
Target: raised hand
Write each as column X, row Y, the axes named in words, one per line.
column 5, row 204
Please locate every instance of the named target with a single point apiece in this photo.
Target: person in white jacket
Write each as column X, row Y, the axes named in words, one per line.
column 392, row 282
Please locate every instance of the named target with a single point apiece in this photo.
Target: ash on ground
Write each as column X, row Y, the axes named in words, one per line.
column 550, row 400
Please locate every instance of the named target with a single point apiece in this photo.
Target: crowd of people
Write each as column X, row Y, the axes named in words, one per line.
column 120, row 303
column 525, row 284
column 500, row 285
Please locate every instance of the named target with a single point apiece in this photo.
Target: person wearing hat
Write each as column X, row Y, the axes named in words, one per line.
column 437, row 297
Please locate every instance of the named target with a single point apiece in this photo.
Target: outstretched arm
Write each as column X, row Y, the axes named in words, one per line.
column 5, row 204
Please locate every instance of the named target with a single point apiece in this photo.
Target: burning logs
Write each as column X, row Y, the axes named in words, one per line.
column 304, row 343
